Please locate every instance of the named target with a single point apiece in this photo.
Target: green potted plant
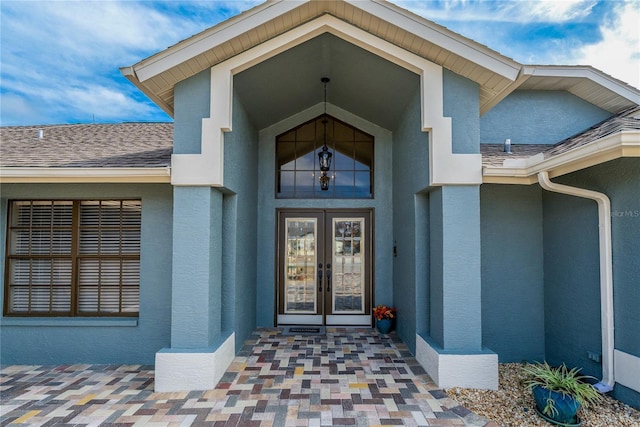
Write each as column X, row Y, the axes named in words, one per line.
column 384, row 317
column 559, row 392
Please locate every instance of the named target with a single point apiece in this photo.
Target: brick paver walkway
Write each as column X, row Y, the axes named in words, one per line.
column 347, row 377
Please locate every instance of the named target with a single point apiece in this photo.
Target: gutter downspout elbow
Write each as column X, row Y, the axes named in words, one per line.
column 606, row 272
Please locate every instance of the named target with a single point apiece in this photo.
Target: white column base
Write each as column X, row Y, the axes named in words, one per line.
column 187, row 370
column 478, row 370
column 627, row 369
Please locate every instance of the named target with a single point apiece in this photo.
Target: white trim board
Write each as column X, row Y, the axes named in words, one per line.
column 71, row 175
column 525, row 170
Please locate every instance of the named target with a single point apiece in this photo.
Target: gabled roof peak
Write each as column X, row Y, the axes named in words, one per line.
column 496, row 74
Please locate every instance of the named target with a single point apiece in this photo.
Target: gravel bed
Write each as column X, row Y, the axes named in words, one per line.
column 512, row 404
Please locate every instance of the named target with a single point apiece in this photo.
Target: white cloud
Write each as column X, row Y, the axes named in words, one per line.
column 618, row 53
column 60, row 59
column 79, row 36
column 14, row 109
column 550, row 11
column 103, row 103
column 554, row 10
column 88, row 33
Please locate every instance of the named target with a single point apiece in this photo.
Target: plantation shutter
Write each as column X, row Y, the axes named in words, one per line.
column 40, row 247
column 109, row 257
column 74, row 258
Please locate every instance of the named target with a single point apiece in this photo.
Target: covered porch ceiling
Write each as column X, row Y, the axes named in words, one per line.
column 361, row 83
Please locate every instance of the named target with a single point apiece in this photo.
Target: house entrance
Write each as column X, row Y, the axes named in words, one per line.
column 324, row 267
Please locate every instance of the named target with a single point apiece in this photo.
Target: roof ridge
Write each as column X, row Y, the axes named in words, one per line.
column 63, row 125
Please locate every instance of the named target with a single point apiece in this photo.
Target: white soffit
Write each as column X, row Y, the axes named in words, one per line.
column 157, row 75
column 585, row 82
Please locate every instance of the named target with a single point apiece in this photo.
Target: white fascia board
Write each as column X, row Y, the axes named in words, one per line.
column 499, row 96
column 525, row 171
column 586, row 72
column 215, row 36
column 511, row 178
column 504, row 175
column 84, row 175
column 442, row 37
column 523, row 163
column 130, row 75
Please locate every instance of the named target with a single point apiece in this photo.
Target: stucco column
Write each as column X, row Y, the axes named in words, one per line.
column 456, row 317
column 452, row 353
column 196, row 282
column 199, row 352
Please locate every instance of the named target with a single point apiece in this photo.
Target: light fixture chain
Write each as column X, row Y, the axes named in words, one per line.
column 324, row 157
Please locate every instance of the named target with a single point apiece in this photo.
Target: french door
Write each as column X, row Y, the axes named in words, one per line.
column 324, row 267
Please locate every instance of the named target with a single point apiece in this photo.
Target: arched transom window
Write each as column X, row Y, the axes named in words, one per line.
column 298, row 171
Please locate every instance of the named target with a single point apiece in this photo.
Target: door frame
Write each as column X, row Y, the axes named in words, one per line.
column 324, row 318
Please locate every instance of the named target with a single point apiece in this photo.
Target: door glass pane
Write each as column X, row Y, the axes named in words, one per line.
column 300, row 266
column 348, row 265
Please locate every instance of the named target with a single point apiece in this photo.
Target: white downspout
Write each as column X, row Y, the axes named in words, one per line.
column 606, row 272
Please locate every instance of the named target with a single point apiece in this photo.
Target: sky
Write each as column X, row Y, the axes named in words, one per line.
column 60, row 60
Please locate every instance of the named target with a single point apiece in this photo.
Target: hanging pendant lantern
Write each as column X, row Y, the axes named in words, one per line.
column 324, row 181
column 324, row 156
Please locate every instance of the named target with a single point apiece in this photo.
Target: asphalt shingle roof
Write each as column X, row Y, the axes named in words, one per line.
column 151, row 144
column 494, row 155
column 87, row 145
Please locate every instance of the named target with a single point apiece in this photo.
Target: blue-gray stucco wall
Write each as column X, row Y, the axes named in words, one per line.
column 538, row 117
column 461, row 103
column 236, row 270
column 411, row 201
column 240, row 225
column 46, row 341
column 512, row 272
column 422, row 276
column 192, row 101
column 436, row 268
column 410, row 176
column 571, row 263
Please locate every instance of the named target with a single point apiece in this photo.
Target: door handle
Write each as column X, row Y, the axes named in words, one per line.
column 328, row 277
column 319, row 277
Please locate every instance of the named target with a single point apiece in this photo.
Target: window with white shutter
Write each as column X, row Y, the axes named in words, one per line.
column 73, row 258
